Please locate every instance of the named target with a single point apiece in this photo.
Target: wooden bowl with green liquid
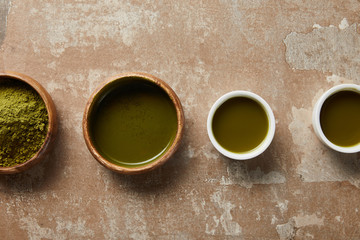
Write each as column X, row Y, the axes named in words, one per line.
column 28, row 123
column 133, row 123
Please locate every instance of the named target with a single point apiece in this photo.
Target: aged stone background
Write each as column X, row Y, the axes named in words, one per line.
column 287, row 51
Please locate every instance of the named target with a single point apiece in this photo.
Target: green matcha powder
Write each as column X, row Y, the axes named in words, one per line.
column 23, row 122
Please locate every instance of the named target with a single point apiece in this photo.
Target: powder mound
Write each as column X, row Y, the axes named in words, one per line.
column 23, row 122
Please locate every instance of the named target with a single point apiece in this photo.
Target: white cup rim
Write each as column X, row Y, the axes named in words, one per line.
column 263, row 145
column 316, row 117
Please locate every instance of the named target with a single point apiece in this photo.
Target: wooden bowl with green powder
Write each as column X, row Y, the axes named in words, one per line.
column 27, row 122
column 133, row 123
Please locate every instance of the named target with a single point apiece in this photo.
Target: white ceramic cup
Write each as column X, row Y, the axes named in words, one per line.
column 316, row 117
column 262, row 146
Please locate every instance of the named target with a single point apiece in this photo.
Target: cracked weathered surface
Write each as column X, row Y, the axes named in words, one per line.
column 289, row 52
column 327, row 49
column 4, row 10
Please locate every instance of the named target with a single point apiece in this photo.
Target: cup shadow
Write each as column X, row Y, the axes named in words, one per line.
column 263, row 169
column 348, row 162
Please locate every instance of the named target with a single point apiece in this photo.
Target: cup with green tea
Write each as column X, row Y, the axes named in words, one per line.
column 241, row 125
column 133, row 123
column 336, row 118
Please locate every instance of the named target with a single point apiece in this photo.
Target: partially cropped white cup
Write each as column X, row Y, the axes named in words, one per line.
column 316, row 117
column 258, row 149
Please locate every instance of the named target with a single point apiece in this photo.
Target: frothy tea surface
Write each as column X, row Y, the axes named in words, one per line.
column 340, row 118
column 133, row 124
column 240, row 124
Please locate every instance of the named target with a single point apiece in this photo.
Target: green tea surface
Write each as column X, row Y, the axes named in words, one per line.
column 134, row 124
column 340, row 118
column 240, row 124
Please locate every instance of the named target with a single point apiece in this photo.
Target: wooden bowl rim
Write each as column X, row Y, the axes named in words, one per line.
column 156, row 163
column 52, row 125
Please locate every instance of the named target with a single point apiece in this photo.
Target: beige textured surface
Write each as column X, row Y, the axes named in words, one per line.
column 287, row 51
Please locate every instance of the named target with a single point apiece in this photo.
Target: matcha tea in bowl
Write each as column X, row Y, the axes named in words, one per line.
column 28, row 123
column 336, row 118
column 133, row 123
column 241, row 125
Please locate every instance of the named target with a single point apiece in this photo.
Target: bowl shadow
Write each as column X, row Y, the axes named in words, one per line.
column 161, row 179
column 39, row 177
